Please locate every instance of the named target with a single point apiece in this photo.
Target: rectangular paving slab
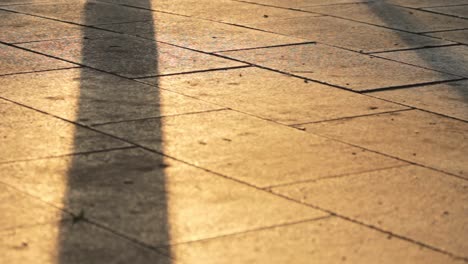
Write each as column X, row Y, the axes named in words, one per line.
column 449, row 99
column 458, row 11
column 387, row 15
column 246, row 148
column 426, row 3
column 338, row 67
column 301, row 3
column 130, row 56
column 14, row 60
column 200, row 34
column 453, row 60
column 91, row 97
column 407, row 201
column 28, row 134
column 17, row 28
column 408, row 135
column 153, row 199
column 73, row 243
column 272, row 95
column 460, row 36
column 20, row 210
column 84, row 12
column 352, row 35
column 330, row 240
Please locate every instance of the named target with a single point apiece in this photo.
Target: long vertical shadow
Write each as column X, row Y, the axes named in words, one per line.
column 120, row 190
column 387, row 13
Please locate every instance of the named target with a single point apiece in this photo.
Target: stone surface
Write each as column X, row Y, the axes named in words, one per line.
column 91, row 97
column 383, row 14
column 14, row 60
column 330, row 240
column 400, row 200
column 449, row 99
column 28, row 134
column 371, row 39
column 273, row 96
column 200, row 34
column 460, row 36
column 20, row 210
column 458, row 11
column 426, row 3
column 339, row 67
column 246, row 148
column 17, row 28
column 130, row 56
column 453, row 60
column 84, row 12
column 73, row 243
column 302, row 3
column 166, row 201
column 408, row 135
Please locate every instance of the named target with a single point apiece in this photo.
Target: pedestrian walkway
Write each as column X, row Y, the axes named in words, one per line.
column 233, row 131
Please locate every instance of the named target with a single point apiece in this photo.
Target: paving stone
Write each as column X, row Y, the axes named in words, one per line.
column 246, row 148
column 228, row 11
column 14, row 60
column 339, row 67
column 380, row 13
column 449, row 99
column 451, row 60
column 91, row 97
column 200, row 34
column 17, row 28
column 408, row 135
column 371, row 39
column 426, row 3
column 72, row 243
column 330, row 240
column 458, row 11
column 84, row 12
column 166, row 201
column 271, row 95
column 28, row 134
column 460, row 36
column 301, row 3
column 130, row 56
column 20, row 210
column 401, row 200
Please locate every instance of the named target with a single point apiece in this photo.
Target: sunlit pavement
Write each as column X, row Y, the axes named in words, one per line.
column 226, row 131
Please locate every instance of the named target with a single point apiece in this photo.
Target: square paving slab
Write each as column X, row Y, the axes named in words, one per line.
column 14, row 60
column 200, row 34
column 28, row 134
column 449, row 99
column 371, row 38
column 164, row 200
column 73, row 243
column 408, row 201
column 247, row 148
column 17, row 28
column 91, row 97
column 330, row 240
column 460, row 36
column 458, row 11
column 408, row 135
column 131, row 56
column 383, row 14
column 339, row 67
column 271, row 95
column 453, row 60
column 84, row 12
column 20, row 210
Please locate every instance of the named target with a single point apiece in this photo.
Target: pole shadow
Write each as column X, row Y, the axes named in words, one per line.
column 121, row 191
